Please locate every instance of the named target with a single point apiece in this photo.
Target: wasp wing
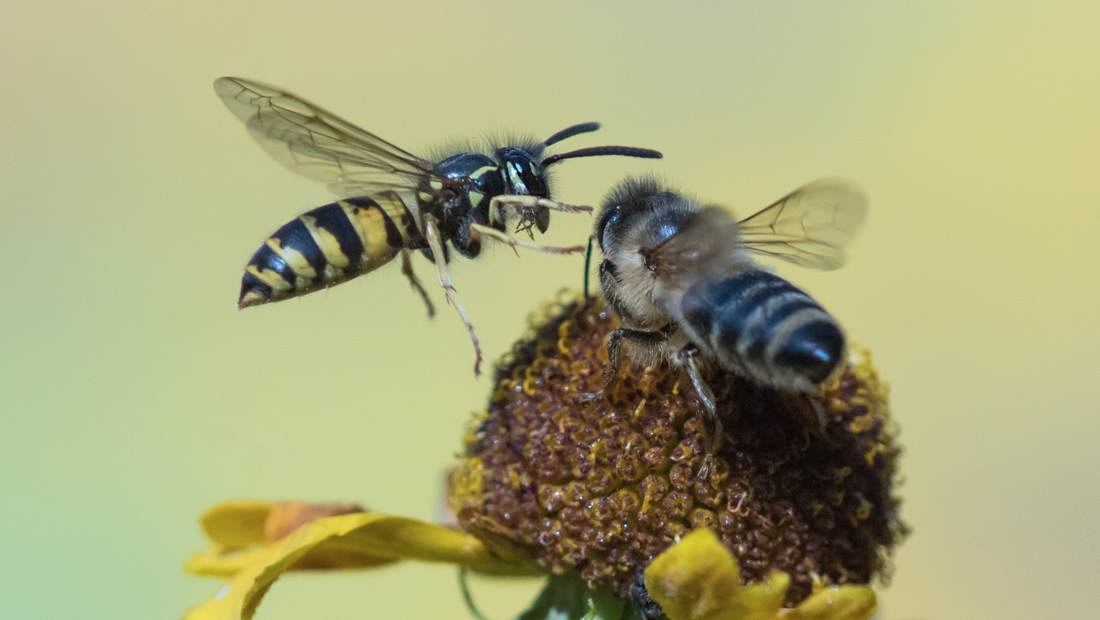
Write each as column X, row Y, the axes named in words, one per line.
column 810, row 226
column 319, row 145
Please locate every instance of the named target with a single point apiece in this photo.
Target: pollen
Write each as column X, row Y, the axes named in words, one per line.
column 601, row 481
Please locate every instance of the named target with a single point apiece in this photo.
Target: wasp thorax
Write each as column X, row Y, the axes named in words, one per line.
column 603, row 482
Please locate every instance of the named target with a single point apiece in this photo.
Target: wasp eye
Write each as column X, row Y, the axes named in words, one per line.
column 609, row 217
column 536, row 182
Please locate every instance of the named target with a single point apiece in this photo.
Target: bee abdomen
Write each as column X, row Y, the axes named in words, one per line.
column 326, row 246
column 766, row 327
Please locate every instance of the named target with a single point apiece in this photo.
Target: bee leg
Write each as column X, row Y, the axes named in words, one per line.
column 497, row 204
column 615, row 345
column 504, row 237
column 706, row 398
column 587, row 266
column 614, row 356
column 819, row 411
column 702, row 390
column 435, row 242
column 407, row 269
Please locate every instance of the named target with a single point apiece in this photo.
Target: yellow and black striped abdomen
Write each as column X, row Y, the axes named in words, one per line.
column 329, row 245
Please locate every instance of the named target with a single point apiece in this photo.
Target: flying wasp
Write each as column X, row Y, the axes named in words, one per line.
column 681, row 275
column 393, row 201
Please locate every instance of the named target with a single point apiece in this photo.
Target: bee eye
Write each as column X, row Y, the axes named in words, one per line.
column 611, row 216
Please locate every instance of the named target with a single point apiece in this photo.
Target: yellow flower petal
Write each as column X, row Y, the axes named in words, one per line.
column 762, row 601
column 285, row 517
column 350, row 541
column 696, row 579
column 236, row 524
column 222, row 563
column 237, row 528
column 836, row 603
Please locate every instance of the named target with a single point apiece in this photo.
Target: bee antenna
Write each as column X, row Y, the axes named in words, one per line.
column 569, row 132
column 626, row 151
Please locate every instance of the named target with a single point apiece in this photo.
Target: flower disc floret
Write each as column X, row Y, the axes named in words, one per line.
column 602, row 481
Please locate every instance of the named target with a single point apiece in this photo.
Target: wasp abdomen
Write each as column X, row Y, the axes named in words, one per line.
column 329, row 245
column 760, row 323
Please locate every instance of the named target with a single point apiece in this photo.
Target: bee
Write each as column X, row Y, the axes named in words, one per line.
column 394, row 202
column 681, row 275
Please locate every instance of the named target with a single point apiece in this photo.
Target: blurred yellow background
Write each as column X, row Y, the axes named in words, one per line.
column 133, row 393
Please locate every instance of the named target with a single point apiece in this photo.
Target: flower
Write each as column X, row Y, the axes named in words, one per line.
column 601, row 491
column 253, row 546
column 603, row 481
column 698, row 579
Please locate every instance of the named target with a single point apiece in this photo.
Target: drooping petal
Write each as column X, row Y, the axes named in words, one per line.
column 358, row 540
column 240, row 530
column 216, row 562
column 236, row 524
column 285, row 517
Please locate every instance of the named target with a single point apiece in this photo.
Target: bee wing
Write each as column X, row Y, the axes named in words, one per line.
column 318, row 144
column 810, row 226
column 694, row 246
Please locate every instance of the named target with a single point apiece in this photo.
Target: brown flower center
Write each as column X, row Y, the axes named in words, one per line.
column 602, row 482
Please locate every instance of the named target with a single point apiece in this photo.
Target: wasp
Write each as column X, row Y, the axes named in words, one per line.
column 682, row 277
column 393, row 202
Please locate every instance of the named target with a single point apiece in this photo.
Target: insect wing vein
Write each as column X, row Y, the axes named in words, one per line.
column 808, row 227
column 318, row 144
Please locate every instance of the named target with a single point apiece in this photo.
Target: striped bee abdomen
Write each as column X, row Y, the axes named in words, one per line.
column 329, row 245
column 765, row 327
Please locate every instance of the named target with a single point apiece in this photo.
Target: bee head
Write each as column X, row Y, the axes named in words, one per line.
column 631, row 199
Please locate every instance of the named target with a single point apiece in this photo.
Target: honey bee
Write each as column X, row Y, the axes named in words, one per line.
column 393, row 201
column 681, row 275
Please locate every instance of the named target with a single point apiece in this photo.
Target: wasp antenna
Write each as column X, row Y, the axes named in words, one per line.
column 626, row 151
column 569, row 132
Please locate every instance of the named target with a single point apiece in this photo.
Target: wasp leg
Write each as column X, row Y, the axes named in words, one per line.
column 706, row 397
column 504, row 237
column 435, row 242
column 407, row 269
column 497, row 204
column 615, row 345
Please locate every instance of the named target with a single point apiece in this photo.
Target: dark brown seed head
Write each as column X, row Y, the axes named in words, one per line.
column 602, row 482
